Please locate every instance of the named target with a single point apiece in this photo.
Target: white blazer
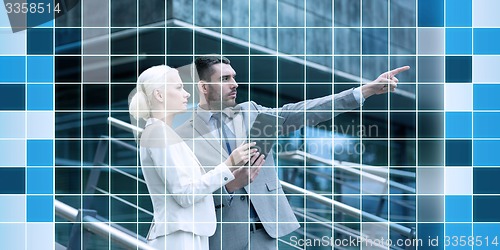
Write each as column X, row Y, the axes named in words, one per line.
column 180, row 189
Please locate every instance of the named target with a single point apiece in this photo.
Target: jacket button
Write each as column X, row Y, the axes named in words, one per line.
column 225, row 178
column 242, row 198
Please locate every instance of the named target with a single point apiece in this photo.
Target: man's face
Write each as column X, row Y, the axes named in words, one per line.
column 221, row 91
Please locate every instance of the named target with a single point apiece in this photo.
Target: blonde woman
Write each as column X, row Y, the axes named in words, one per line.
column 180, row 188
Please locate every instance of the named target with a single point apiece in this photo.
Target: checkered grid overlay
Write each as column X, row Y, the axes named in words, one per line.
column 465, row 72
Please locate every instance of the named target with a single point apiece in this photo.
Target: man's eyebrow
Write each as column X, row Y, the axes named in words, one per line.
column 233, row 75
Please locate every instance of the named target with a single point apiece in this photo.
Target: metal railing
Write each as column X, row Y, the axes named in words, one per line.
column 408, row 232
column 341, row 207
column 350, row 168
column 100, row 228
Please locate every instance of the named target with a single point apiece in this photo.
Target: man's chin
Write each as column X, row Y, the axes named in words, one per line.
column 230, row 104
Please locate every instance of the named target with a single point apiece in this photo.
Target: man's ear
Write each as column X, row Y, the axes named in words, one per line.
column 203, row 86
column 202, row 91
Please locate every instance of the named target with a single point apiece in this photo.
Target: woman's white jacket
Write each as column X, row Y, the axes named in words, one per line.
column 180, row 188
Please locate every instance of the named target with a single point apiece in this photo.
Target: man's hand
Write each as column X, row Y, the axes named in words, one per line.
column 241, row 155
column 246, row 174
column 384, row 83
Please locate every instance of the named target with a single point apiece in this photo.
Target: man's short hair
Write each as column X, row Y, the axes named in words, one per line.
column 204, row 65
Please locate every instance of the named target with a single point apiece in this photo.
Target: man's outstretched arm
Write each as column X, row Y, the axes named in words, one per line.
column 341, row 102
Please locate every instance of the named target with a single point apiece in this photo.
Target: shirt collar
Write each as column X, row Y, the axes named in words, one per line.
column 205, row 115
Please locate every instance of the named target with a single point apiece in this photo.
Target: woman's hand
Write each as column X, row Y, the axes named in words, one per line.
column 246, row 174
column 241, row 155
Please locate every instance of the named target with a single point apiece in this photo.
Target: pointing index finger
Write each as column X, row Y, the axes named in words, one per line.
column 398, row 70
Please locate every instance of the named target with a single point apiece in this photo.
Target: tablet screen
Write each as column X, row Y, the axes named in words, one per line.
column 264, row 131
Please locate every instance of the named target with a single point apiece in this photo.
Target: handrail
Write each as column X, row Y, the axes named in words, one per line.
column 408, row 232
column 345, row 208
column 65, row 211
column 103, row 229
column 124, row 125
column 346, row 167
column 372, row 169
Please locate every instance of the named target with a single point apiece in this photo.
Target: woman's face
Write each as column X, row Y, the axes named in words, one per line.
column 176, row 97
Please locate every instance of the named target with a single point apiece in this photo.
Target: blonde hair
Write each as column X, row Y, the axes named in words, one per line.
column 148, row 81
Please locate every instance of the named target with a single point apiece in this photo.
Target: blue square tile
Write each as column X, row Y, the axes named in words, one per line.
column 486, row 124
column 40, row 208
column 431, row 13
column 13, row 152
column 459, row 69
column 12, row 209
column 458, row 125
column 13, row 125
column 40, row 97
column 41, row 236
column 37, row 17
column 486, row 209
column 13, row 235
column 489, row 235
column 458, row 152
column 40, row 41
column 375, row 41
column 453, row 214
column 40, row 125
column 12, row 97
column 458, row 236
column 458, row 41
column 40, row 181
column 483, row 179
column 40, row 69
column 486, row 41
column 459, row 13
column 428, row 231
column 40, row 153
column 69, row 41
column 12, row 181
column 12, row 69
column 486, row 152
column 482, row 97
column 48, row 24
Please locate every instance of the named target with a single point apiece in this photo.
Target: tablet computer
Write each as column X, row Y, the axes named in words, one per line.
column 264, row 131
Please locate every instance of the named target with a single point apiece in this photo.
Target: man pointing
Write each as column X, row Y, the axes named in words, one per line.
column 255, row 213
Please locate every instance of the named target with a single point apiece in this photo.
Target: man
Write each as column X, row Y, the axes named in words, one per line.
column 255, row 213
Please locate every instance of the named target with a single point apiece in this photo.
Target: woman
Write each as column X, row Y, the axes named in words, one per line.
column 180, row 188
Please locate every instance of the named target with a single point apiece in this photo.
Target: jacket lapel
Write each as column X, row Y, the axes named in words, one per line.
column 204, row 132
column 248, row 114
column 240, row 130
column 247, row 117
